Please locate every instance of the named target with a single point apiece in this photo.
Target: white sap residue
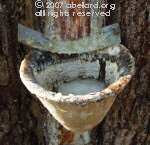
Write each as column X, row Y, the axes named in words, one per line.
column 81, row 87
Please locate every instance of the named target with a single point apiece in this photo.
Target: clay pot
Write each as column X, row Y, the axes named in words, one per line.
column 43, row 72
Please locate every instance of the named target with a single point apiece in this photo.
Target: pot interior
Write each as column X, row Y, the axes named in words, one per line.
column 81, row 87
column 53, row 70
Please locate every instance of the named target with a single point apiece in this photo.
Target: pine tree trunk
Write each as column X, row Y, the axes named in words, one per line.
column 20, row 113
column 23, row 120
column 128, row 121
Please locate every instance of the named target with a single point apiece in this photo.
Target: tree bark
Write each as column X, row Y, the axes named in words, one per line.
column 128, row 121
column 22, row 120
column 20, row 114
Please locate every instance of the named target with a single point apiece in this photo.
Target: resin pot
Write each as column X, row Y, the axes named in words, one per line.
column 43, row 72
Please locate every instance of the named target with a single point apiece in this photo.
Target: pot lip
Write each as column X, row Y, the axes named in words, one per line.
column 27, row 77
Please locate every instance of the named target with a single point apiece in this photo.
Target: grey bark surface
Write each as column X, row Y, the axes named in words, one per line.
column 21, row 115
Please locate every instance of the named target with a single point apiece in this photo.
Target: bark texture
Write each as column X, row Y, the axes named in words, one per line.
column 22, row 116
column 18, row 109
column 128, row 121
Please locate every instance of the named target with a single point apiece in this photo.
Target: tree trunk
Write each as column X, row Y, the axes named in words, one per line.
column 20, row 113
column 128, row 121
column 22, row 120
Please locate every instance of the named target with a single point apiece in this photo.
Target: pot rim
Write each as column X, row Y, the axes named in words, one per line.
column 27, row 77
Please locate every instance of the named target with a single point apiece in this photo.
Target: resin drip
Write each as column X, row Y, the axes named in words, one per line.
column 81, row 87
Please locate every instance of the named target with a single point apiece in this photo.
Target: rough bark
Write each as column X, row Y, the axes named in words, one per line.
column 128, row 121
column 21, row 115
column 18, row 109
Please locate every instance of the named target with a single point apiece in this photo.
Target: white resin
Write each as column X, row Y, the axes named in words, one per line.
column 57, row 74
column 81, row 87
